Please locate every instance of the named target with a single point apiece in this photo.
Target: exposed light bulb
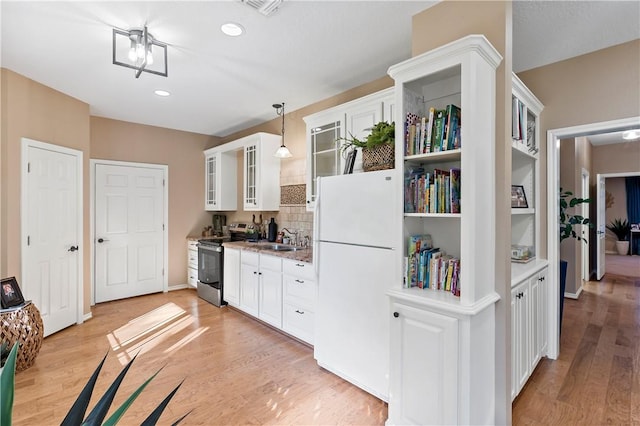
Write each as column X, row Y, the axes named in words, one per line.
column 149, row 56
column 140, row 51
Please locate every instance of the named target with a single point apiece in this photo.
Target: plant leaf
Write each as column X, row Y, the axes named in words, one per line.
column 155, row 415
column 7, row 385
column 113, row 420
column 79, row 408
column 99, row 412
column 181, row 418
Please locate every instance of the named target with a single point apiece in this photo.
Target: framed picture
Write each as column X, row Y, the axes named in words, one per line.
column 10, row 293
column 350, row 161
column 518, row 197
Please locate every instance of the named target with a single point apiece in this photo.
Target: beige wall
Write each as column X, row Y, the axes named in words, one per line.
column 617, row 158
column 432, row 28
column 182, row 152
column 37, row 112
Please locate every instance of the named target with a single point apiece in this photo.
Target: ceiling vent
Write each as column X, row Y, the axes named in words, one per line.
column 266, row 7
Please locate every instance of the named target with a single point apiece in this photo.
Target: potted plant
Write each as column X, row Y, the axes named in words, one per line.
column 377, row 147
column 622, row 229
column 569, row 223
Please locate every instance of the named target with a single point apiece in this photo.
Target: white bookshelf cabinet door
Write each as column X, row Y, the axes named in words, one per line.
column 424, row 367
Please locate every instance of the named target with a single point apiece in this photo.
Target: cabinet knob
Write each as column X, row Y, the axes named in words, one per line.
column 396, row 314
column 259, row 273
column 300, row 281
column 300, row 265
column 308, row 202
column 300, row 312
column 254, row 272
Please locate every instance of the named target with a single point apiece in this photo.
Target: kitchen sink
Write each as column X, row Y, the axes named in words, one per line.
column 281, row 247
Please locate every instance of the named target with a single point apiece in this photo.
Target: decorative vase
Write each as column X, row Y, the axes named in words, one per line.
column 622, row 247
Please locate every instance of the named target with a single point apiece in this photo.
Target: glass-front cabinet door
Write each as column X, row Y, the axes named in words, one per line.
column 323, row 153
column 250, row 181
column 210, row 181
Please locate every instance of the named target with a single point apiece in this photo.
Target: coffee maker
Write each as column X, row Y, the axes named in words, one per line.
column 219, row 221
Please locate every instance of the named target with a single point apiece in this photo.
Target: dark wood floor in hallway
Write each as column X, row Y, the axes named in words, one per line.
column 596, row 378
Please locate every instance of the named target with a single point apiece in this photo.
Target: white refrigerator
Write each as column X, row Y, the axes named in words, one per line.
column 355, row 232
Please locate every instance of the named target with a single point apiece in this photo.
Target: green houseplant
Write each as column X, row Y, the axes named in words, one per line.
column 621, row 228
column 377, row 147
column 569, row 223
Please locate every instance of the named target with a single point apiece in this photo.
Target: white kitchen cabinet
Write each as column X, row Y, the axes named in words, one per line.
column 299, row 299
column 261, row 172
column 231, row 271
column 325, row 128
column 528, row 327
column 270, row 273
column 192, row 263
column 221, row 180
column 249, row 283
column 424, row 360
column 461, row 73
column 261, row 286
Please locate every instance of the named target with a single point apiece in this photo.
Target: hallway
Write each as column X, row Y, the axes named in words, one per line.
column 596, row 378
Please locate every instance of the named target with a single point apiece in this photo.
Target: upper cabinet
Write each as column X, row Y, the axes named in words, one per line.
column 261, row 172
column 325, row 128
column 525, row 179
column 261, row 177
column 220, row 180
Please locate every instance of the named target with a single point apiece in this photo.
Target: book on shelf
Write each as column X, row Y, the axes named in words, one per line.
column 428, row 267
column 455, row 190
column 435, row 192
column 438, row 130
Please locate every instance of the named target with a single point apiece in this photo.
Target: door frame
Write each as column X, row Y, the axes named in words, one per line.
column 585, row 192
column 92, row 215
column 553, row 212
column 78, row 155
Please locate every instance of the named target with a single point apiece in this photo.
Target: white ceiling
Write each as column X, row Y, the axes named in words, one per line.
column 305, row 52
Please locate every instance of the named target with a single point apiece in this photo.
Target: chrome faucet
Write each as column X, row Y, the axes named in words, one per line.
column 294, row 241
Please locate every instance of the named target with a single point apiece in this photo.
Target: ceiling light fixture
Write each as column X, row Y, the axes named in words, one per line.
column 283, row 151
column 162, row 93
column 266, row 7
column 135, row 49
column 630, row 135
column 232, row 29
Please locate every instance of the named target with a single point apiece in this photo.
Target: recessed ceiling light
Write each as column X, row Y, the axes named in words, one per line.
column 162, row 93
column 631, row 134
column 232, row 29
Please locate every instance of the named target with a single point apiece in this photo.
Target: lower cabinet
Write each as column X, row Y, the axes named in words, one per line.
column 192, row 263
column 281, row 292
column 424, row 368
column 300, row 295
column 528, row 328
column 231, row 271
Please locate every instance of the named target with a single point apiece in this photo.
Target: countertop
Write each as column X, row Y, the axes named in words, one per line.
column 198, row 237
column 301, row 255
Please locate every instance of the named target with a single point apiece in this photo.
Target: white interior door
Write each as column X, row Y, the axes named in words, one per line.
column 129, row 231
column 600, row 226
column 52, row 224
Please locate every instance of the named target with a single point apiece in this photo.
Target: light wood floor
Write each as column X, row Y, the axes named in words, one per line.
column 236, row 370
column 596, row 379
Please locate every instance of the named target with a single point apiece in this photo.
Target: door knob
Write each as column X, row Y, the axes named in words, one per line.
column 396, row 314
column 102, row 240
column 73, row 248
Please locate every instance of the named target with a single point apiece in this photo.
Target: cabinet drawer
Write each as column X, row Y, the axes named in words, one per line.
column 249, row 258
column 299, row 290
column 192, row 259
column 299, row 269
column 192, row 245
column 192, row 277
column 270, row 262
column 298, row 322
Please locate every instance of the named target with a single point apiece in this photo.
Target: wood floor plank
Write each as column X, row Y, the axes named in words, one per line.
column 618, row 397
column 235, row 369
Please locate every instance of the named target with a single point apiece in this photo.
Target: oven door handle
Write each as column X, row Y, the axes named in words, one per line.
column 209, row 248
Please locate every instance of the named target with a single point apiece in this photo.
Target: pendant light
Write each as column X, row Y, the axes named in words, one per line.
column 283, row 151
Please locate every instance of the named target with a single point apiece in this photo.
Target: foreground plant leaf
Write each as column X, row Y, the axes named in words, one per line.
column 113, row 420
column 76, row 413
column 99, row 412
column 7, row 383
column 155, row 415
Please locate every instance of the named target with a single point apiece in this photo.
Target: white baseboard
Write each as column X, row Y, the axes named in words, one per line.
column 88, row 316
column 178, row 287
column 574, row 296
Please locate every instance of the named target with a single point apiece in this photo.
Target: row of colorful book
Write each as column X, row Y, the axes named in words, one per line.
column 436, row 192
column 438, row 131
column 428, row 267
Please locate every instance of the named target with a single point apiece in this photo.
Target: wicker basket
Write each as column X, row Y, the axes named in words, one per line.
column 381, row 157
column 23, row 324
